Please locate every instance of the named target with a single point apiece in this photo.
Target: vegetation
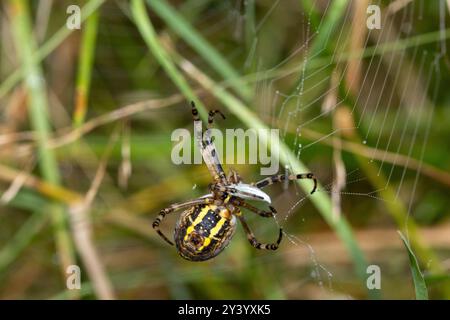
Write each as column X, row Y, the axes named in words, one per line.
column 85, row 144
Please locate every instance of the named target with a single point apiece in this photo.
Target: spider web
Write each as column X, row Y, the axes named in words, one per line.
column 403, row 128
column 407, row 132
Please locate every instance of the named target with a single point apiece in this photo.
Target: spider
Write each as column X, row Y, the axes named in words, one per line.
column 208, row 223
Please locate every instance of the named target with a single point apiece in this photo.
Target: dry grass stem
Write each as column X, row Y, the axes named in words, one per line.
column 82, row 231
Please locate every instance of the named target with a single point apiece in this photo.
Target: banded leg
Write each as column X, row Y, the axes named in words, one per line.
column 207, row 137
column 262, row 213
column 255, row 243
column 210, row 148
column 211, row 115
column 195, row 112
column 233, row 177
column 281, row 177
column 173, row 208
column 206, row 146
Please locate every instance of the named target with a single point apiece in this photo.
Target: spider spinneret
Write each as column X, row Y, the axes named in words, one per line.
column 208, row 223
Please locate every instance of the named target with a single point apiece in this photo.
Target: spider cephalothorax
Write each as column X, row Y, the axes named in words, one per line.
column 208, row 223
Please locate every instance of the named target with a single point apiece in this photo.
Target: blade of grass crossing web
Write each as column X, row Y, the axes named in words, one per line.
column 328, row 26
column 320, row 200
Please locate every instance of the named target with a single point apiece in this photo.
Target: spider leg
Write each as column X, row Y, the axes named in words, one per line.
column 211, row 115
column 207, row 137
column 210, row 148
column 255, row 243
column 233, row 176
column 206, row 145
column 262, row 213
column 281, row 177
column 174, row 207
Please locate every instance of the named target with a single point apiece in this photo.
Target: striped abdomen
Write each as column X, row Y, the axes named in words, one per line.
column 203, row 231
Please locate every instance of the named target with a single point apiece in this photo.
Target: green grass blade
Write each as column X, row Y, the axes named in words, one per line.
column 48, row 47
column 194, row 39
column 87, row 53
column 320, row 200
column 329, row 25
column 418, row 279
column 38, row 113
column 21, row 239
column 313, row 14
column 150, row 37
column 287, row 157
column 25, row 200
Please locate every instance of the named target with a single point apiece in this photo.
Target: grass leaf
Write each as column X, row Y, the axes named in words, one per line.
column 419, row 281
column 150, row 37
column 194, row 39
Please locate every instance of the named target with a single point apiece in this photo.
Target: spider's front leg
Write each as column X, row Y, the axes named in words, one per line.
column 211, row 115
column 262, row 213
column 281, row 177
column 206, row 145
column 233, row 176
column 173, row 208
column 254, row 242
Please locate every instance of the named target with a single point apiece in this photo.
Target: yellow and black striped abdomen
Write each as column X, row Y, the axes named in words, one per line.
column 203, row 231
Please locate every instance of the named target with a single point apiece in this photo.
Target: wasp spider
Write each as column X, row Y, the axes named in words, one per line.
column 208, row 223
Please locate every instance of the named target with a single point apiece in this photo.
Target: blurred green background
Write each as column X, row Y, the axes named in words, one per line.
column 85, row 145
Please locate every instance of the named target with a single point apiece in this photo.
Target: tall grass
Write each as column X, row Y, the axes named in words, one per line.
column 86, row 61
column 140, row 49
column 242, row 112
column 39, row 117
